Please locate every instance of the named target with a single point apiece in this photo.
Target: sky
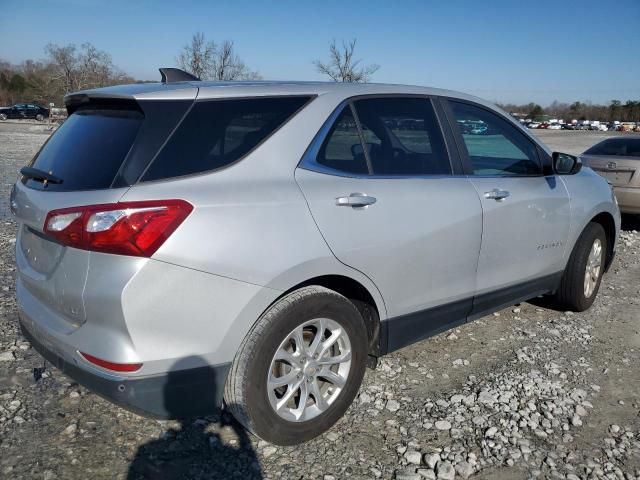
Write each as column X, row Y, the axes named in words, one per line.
column 503, row 50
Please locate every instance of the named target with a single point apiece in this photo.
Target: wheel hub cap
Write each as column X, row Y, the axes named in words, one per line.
column 309, row 370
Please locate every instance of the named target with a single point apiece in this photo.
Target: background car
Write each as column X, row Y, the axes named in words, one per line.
column 24, row 110
column 618, row 160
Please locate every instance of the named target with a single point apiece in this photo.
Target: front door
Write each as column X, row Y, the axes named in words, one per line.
column 381, row 188
column 526, row 213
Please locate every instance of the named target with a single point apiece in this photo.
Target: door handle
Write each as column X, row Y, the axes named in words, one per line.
column 496, row 194
column 355, row 200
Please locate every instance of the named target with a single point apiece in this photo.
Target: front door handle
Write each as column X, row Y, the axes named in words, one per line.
column 355, row 200
column 496, row 194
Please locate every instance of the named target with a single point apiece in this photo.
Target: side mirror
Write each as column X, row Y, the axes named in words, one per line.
column 565, row 164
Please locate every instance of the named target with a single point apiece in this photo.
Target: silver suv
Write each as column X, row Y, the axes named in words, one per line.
column 186, row 244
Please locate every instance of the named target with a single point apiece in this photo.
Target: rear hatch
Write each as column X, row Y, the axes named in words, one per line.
column 93, row 158
column 619, row 171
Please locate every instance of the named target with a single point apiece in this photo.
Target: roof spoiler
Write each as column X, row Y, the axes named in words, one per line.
column 170, row 75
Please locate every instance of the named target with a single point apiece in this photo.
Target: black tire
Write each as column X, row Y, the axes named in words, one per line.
column 39, row 117
column 246, row 393
column 571, row 294
column 3, row 116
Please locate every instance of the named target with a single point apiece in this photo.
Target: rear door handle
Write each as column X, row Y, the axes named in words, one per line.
column 496, row 194
column 355, row 200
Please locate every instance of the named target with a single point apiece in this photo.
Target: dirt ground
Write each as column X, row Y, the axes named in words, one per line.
column 527, row 392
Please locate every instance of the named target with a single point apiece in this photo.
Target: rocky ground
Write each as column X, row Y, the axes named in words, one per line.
column 527, row 392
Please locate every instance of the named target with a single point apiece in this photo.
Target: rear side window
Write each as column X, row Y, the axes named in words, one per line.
column 88, row 149
column 217, row 133
column 403, row 136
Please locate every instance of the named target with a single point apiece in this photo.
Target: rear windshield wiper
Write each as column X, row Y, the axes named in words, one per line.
column 38, row 174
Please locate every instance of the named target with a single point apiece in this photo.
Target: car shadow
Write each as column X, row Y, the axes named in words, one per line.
column 630, row 222
column 195, row 448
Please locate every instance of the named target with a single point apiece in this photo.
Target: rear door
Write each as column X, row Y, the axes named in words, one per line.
column 526, row 214
column 381, row 187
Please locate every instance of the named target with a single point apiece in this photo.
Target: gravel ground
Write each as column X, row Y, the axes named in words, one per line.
column 527, row 392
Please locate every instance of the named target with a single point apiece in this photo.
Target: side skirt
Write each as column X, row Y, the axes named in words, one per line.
column 399, row 332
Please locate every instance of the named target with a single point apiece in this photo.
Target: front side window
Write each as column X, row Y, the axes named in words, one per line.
column 402, row 136
column 495, row 146
column 217, row 133
column 342, row 149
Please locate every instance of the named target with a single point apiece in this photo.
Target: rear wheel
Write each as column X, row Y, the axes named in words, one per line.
column 581, row 279
column 299, row 368
column 3, row 116
column 39, row 117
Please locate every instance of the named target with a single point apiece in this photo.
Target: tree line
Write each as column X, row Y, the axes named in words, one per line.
column 69, row 68
column 628, row 111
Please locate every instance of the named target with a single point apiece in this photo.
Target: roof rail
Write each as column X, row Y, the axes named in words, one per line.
column 170, row 75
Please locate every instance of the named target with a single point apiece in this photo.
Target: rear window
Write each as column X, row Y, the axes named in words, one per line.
column 218, row 133
column 619, row 146
column 88, row 149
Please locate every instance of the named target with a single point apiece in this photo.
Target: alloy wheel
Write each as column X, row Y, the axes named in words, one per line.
column 309, row 370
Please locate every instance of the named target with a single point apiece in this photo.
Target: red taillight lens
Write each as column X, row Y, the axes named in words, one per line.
column 116, row 367
column 128, row 228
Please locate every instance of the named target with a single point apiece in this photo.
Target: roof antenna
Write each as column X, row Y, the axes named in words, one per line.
column 170, row 75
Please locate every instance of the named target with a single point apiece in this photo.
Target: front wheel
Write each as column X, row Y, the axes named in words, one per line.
column 39, row 117
column 3, row 116
column 581, row 279
column 299, row 368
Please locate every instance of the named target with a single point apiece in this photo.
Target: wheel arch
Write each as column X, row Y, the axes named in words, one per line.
column 360, row 296
column 606, row 220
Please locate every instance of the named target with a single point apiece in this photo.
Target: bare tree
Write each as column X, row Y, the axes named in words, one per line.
column 342, row 67
column 228, row 66
column 64, row 63
column 198, row 56
column 210, row 61
column 76, row 69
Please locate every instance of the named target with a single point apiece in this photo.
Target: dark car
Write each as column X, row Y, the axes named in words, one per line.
column 24, row 110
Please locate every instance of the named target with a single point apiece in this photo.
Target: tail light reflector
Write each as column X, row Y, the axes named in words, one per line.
column 116, row 367
column 127, row 228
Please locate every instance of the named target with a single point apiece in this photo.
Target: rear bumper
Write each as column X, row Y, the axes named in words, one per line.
column 628, row 199
column 176, row 394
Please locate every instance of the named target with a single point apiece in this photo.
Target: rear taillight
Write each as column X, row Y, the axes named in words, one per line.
column 128, row 228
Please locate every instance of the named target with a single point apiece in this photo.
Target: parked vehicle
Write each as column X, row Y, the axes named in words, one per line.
column 264, row 242
column 24, row 110
column 568, row 126
column 555, row 126
column 543, row 125
column 533, row 125
column 618, row 160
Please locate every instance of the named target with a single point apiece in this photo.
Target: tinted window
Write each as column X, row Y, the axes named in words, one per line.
column 617, row 146
column 403, row 136
column 342, row 149
column 88, row 149
column 217, row 133
column 495, row 146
